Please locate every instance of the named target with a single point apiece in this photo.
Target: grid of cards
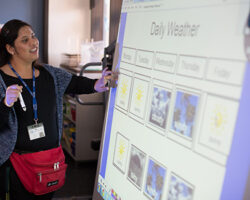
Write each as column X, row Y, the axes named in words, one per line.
column 176, row 113
column 155, row 182
column 180, row 104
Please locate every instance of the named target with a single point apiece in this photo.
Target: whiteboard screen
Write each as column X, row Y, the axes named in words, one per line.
column 177, row 124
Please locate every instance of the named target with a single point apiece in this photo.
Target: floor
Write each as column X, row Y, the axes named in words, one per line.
column 80, row 179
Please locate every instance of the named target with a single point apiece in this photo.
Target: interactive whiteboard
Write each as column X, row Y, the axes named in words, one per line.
column 177, row 125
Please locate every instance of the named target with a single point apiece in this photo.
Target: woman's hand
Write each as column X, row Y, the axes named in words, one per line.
column 12, row 94
column 100, row 83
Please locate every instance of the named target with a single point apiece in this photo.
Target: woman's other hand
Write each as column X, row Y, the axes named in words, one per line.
column 12, row 94
column 100, row 84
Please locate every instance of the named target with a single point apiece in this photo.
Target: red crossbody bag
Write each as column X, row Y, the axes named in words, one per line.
column 40, row 172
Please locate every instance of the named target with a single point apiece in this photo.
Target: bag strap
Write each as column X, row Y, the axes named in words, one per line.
column 7, row 183
column 23, row 151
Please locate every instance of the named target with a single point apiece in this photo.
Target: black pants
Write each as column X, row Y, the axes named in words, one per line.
column 16, row 189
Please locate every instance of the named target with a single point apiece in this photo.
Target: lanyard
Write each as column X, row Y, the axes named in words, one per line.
column 33, row 94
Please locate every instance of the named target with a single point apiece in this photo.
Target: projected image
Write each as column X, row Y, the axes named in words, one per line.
column 136, row 166
column 123, row 91
column 178, row 118
column 139, row 97
column 218, row 124
column 184, row 113
column 121, row 152
column 179, row 189
column 159, row 107
column 155, row 180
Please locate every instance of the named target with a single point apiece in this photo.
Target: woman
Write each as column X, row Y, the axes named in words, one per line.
column 42, row 89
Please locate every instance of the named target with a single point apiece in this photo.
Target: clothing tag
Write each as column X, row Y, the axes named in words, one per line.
column 36, row 131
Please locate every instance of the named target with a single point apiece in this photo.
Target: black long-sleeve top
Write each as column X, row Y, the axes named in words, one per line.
column 46, row 105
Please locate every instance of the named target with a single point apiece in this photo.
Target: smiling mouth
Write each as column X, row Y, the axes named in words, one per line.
column 34, row 50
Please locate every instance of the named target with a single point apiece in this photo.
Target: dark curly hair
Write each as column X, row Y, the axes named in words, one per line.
column 8, row 35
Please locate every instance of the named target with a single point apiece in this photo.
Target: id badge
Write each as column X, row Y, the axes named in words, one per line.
column 36, row 131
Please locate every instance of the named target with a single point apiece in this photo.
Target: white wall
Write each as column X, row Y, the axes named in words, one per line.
column 69, row 25
column 29, row 11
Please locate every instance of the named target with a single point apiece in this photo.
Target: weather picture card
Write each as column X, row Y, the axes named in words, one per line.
column 139, row 97
column 179, row 189
column 155, row 180
column 123, row 91
column 121, row 152
column 185, row 110
column 218, row 124
column 136, row 166
column 159, row 107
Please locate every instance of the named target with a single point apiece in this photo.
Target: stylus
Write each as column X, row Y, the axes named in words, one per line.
column 22, row 102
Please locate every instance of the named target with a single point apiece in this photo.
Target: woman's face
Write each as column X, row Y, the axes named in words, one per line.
column 26, row 46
